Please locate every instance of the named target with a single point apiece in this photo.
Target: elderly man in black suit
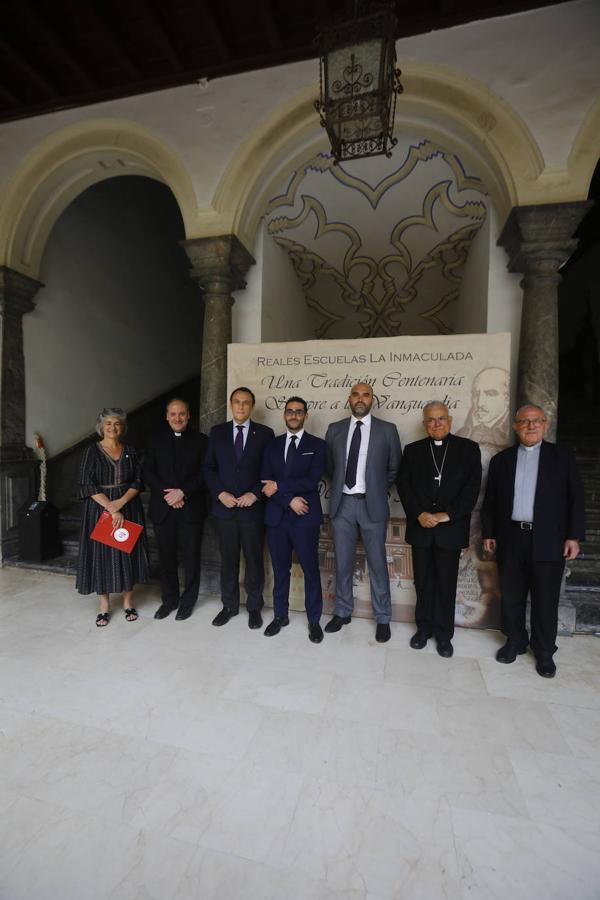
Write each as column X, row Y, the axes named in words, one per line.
column 533, row 519
column 363, row 455
column 173, row 472
column 232, row 469
column 438, row 483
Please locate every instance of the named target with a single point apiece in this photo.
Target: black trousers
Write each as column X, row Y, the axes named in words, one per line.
column 235, row 536
column 435, row 571
column 176, row 537
column 519, row 575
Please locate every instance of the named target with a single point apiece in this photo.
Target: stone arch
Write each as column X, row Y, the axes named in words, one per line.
column 445, row 104
column 584, row 156
column 68, row 162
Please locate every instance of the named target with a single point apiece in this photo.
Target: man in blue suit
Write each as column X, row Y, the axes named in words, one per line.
column 363, row 456
column 293, row 465
column 232, row 470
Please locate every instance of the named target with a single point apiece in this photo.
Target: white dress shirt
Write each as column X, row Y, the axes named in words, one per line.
column 245, row 430
column 365, row 433
column 288, row 440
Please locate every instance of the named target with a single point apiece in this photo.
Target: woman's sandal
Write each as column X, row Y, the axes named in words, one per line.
column 131, row 614
column 102, row 620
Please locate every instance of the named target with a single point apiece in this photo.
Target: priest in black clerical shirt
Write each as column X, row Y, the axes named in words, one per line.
column 438, row 483
column 173, row 472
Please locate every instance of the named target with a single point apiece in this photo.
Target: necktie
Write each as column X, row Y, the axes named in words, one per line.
column 291, row 452
column 238, row 444
column 352, row 462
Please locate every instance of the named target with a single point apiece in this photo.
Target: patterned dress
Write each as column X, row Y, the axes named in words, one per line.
column 102, row 569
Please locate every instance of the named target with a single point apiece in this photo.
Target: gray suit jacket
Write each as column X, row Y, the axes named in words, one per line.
column 383, row 460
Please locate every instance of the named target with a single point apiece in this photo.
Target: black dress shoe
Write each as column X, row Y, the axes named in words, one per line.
column 419, row 640
column 445, row 649
column 254, row 619
column 383, row 632
column 546, row 668
column 223, row 617
column 163, row 611
column 336, row 623
column 276, row 625
column 509, row 652
column 315, row 633
column 184, row 613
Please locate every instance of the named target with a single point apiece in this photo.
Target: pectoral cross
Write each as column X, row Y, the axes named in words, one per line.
column 438, row 469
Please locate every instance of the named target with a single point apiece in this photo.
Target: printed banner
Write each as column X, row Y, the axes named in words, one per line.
column 469, row 373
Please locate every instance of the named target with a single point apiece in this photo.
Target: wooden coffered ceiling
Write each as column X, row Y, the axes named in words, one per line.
column 56, row 54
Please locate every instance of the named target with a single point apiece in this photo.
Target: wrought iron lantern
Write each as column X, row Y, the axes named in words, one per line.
column 359, row 82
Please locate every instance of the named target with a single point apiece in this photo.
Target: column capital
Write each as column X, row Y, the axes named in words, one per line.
column 219, row 264
column 539, row 239
column 17, row 292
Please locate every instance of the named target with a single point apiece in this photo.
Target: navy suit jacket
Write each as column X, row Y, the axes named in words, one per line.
column 222, row 472
column 558, row 510
column 302, row 481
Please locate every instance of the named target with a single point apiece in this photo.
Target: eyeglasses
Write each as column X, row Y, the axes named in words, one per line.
column 294, row 412
column 534, row 422
column 433, row 419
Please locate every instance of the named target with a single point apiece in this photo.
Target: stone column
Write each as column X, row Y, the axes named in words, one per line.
column 538, row 240
column 17, row 462
column 219, row 265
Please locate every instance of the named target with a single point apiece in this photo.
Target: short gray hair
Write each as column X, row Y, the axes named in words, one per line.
column 530, row 406
column 110, row 412
column 434, row 403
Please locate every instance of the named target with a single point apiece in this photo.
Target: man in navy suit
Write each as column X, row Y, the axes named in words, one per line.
column 293, row 465
column 232, row 470
column 173, row 472
column 363, row 456
column 533, row 518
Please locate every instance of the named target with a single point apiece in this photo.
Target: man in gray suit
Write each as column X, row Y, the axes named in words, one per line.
column 363, row 456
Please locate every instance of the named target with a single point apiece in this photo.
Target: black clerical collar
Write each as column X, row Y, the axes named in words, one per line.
column 441, row 443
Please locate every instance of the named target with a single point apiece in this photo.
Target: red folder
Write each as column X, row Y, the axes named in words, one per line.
column 123, row 538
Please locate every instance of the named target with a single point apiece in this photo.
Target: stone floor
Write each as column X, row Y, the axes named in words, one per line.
column 162, row 760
